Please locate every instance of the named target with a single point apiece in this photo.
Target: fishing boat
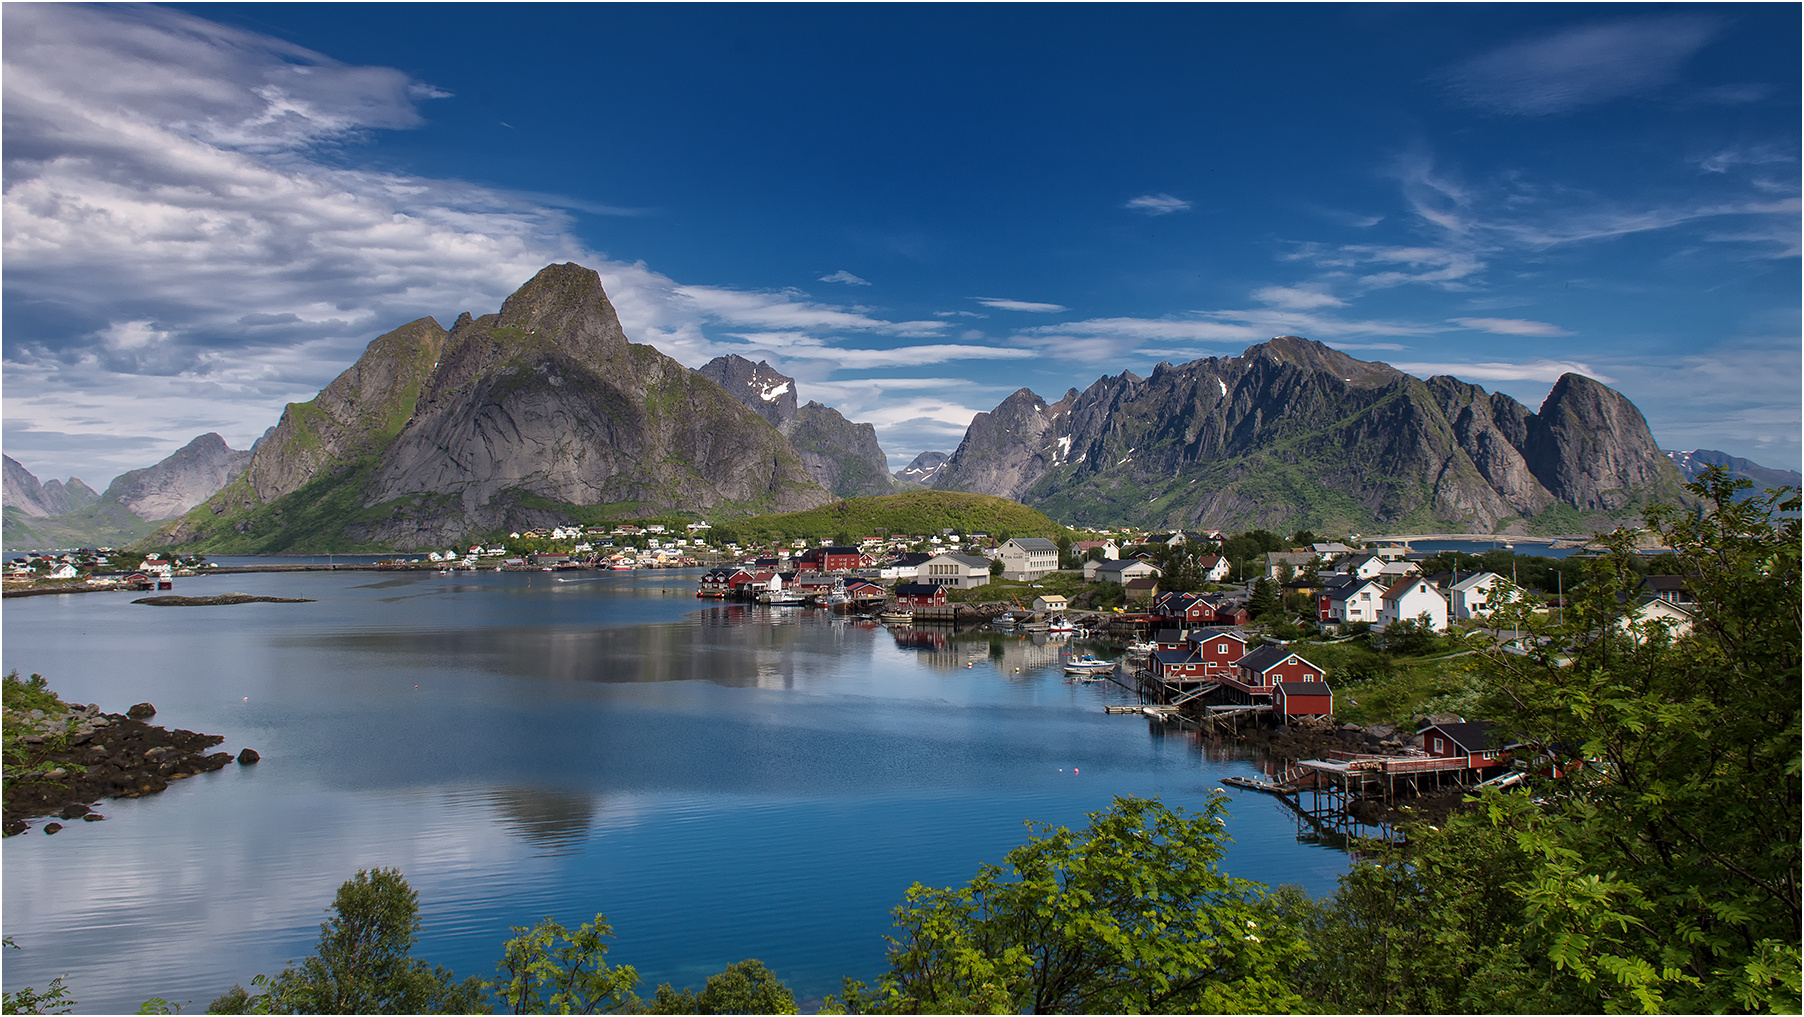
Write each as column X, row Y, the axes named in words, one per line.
column 782, row 598
column 1088, row 664
column 1060, row 624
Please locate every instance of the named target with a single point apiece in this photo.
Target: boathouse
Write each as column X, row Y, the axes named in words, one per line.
column 913, row 595
column 1270, row 664
column 1302, row 699
column 1477, row 742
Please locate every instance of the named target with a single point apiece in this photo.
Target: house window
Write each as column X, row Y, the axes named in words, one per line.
column 1439, row 746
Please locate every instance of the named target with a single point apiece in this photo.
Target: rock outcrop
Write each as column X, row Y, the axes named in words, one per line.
column 1292, row 433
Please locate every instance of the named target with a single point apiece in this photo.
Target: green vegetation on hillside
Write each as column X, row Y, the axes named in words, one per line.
column 914, row 513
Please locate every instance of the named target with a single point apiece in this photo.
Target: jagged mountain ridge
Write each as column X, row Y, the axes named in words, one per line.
column 842, row 456
column 1694, row 462
column 1294, row 433
column 21, row 490
column 509, row 420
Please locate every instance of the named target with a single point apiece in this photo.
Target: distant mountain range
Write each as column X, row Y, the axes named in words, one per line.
column 1294, row 434
column 63, row 514
column 1693, row 463
column 545, row 413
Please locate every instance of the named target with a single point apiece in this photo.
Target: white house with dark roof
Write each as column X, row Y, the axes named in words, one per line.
column 1356, row 600
column 1028, row 558
column 1120, row 571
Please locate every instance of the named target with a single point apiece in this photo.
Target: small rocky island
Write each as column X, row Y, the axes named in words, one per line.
column 62, row 759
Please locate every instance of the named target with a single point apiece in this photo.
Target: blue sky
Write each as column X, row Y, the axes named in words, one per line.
column 913, row 209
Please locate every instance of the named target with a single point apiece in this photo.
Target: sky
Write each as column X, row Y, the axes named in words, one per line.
column 913, row 209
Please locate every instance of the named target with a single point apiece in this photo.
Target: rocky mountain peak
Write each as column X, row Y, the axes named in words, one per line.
column 769, row 392
column 188, row 476
column 1313, row 356
column 566, row 301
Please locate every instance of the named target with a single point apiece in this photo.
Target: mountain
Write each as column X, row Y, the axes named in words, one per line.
column 925, row 469
column 539, row 414
column 841, row 455
column 72, row 515
column 1692, row 463
column 191, row 475
column 1294, row 434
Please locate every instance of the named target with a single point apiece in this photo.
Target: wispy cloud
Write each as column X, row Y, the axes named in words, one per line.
column 1532, row 370
column 1580, row 66
column 1511, row 326
column 1157, row 204
column 1003, row 304
column 843, row 276
column 1301, row 298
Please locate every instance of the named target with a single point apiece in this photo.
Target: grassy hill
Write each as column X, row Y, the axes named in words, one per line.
column 917, row 513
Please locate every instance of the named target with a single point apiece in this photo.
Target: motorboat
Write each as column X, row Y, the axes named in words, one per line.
column 1088, row 664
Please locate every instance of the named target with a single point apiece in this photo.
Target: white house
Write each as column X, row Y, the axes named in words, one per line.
column 1028, row 558
column 1356, row 600
column 1120, row 571
column 1410, row 599
column 1215, row 567
column 1049, row 603
column 1473, row 596
column 958, row 571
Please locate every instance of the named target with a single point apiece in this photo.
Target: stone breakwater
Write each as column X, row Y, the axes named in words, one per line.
column 79, row 756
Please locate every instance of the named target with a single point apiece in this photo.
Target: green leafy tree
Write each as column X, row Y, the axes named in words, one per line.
column 363, row 961
column 1130, row 915
column 1660, row 872
column 745, row 987
column 550, row 969
column 54, row 998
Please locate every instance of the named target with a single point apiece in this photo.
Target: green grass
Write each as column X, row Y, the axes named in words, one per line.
column 911, row 513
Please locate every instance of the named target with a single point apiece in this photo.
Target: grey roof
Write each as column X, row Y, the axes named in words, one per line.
column 1034, row 544
column 1124, row 563
column 1472, row 736
column 1174, row 656
column 1303, row 688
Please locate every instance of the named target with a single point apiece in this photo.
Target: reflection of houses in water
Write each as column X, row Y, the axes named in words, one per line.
column 947, row 649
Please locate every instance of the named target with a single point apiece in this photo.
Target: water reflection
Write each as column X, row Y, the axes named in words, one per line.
column 555, row 820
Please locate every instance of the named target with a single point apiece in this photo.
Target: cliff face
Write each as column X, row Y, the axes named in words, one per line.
column 1294, row 433
column 192, row 474
column 841, row 456
column 507, row 421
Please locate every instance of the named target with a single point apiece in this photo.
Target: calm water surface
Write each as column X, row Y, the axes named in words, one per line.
column 721, row 782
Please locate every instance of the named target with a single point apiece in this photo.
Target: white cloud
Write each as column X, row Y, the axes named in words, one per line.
column 843, row 276
column 1533, row 370
column 1511, row 326
column 1157, row 204
column 1299, row 298
column 186, row 249
column 1581, row 66
column 1003, row 304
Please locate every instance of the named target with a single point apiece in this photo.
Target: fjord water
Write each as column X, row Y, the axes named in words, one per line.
column 721, row 781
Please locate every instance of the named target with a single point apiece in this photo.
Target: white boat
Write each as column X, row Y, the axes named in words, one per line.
column 1060, row 624
column 1140, row 648
column 1088, row 664
column 782, row 598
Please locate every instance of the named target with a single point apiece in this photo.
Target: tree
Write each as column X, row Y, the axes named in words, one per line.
column 1130, row 915
column 1408, row 637
column 363, row 961
column 549, row 969
column 1263, row 599
column 1660, row 872
column 745, row 987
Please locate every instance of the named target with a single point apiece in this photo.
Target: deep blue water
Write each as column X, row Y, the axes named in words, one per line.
column 721, row 782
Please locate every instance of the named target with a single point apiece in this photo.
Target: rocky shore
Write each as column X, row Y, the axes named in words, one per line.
column 83, row 756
